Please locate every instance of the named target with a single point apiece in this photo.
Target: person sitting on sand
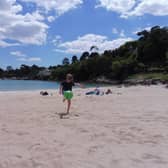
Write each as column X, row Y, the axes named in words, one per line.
column 45, row 93
column 108, row 91
column 66, row 90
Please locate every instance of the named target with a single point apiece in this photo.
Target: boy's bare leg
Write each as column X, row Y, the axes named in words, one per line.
column 63, row 100
column 69, row 105
column 68, row 108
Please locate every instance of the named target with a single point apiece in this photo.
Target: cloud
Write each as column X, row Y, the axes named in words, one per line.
column 115, row 31
column 59, row 6
column 153, row 7
column 5, row 44
column 22, row 29
column 57, row 40
column 32, row 32
column 84, row 43
column 9, row 5
column 17, row 54
column 51, row 18
column 119, row 6
column 31, row 59
column 121, row 33
column 23, row 57
column 128, row 8
column 139, row 29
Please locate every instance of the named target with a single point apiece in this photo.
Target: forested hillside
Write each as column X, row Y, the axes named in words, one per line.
column 147, row 55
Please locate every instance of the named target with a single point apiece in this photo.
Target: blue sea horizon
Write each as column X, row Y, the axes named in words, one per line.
column 27, row 85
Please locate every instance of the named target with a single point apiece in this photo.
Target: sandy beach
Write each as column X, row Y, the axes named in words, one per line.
column 126, row 129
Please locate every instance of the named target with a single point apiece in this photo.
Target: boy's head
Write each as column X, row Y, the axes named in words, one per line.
column 69, row 77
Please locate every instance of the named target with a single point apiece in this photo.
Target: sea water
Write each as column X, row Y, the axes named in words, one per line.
column 14, row 85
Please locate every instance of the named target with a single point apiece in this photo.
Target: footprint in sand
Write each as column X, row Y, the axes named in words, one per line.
column 136, row 129
column 18, row 156
column 22, row 133
column 76, row 115
column 94, row 149
column 63, row 115
column 5, row 130
column 34, row 146
column 66, row 116
column 4, row 164
column 137, row 160
column 154, row 158
column 35, row 164
column 83, row 130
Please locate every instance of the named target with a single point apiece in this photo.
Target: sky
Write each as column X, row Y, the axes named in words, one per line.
column 43, row 32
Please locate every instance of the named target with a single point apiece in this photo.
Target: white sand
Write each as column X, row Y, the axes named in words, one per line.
column 126, row 130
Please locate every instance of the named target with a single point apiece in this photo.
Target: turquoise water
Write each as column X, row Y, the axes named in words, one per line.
column 14, row 85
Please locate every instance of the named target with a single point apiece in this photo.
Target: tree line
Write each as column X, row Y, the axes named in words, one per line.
column 149, row 53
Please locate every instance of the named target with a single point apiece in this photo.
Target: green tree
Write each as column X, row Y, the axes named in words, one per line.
column 74, row 59
column 84, row 56
column 9, row 68
column 66, row 61
column 25, row 70
column 152, row 46
column 1, row 73
column 94, row 48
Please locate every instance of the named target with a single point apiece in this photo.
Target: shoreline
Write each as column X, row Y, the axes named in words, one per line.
column 104, row 81
column 88, row 88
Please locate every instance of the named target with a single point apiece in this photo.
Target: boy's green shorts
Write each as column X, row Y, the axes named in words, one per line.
column 68, row 95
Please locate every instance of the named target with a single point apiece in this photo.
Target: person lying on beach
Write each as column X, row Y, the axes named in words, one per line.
column 66, row 91
column 95, row 91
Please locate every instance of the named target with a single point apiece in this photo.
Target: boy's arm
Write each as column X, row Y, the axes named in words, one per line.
column 79, row 85
column 60, row 90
